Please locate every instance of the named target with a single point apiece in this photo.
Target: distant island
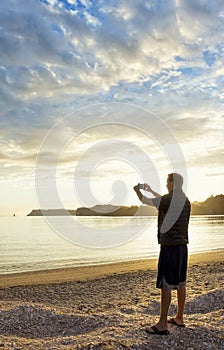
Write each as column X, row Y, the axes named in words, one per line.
column 51, row 212
column 98, row 210
column 214, row 205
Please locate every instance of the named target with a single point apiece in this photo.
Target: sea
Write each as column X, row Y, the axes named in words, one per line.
column 40, row 243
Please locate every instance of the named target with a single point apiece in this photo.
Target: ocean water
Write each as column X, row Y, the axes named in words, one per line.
column 32, row 243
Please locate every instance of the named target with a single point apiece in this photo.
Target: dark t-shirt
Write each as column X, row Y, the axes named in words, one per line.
column 173, row 218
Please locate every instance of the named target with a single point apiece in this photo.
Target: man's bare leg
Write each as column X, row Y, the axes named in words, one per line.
column 181, row 297
column 164, row 308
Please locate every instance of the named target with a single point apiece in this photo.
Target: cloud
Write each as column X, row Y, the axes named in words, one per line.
column 165, row 56
column 79, row 59
column 209, row 159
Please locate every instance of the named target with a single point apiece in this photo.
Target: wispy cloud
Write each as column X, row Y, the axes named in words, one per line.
column 57, row 56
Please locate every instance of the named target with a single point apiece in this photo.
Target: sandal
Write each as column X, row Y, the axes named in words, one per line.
column 157, row 331
column 172, row 321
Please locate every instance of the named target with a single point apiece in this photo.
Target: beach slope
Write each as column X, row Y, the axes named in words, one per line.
column 107, row 307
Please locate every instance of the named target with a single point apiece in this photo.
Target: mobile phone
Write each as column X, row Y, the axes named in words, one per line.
column 141, row 186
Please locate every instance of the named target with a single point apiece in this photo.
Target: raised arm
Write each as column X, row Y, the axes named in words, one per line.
column 142, row 198
column 149, row 189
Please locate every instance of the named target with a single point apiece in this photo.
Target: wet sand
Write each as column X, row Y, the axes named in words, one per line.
column 107, row 307
column 91, row 272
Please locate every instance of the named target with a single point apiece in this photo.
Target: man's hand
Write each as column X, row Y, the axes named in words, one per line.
column 138, row 192
column 142, row 198
column 136, row 188
column 147, row 188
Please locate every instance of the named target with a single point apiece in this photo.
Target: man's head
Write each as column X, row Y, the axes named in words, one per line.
column 174, row 180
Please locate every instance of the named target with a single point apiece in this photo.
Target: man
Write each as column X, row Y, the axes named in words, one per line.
column 173, row 218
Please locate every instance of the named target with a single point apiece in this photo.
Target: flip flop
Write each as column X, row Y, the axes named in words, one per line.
column 172, row 321
column 157, row 331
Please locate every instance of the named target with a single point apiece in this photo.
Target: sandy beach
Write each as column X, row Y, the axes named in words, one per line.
column 107, row 307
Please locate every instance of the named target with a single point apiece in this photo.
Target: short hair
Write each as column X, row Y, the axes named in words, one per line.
column 177, row 179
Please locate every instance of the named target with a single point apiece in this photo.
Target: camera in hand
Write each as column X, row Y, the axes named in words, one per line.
column 141, row 186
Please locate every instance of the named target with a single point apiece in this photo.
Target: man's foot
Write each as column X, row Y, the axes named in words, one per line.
column 155, row 330
column 176, row 322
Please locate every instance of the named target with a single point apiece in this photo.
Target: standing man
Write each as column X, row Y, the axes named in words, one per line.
column 173, row 218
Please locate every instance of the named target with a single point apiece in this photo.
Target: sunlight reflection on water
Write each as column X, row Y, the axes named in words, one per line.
column 28, row 243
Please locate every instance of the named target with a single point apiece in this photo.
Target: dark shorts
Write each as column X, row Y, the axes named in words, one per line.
column 172, row 267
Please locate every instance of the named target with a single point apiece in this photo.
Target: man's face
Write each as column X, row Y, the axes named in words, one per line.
column 169, row 185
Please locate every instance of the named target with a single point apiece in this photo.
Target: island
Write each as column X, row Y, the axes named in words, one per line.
column 51, row 212
column 98, row 210
column 214, row 205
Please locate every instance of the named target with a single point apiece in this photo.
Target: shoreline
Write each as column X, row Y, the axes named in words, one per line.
column 92, row 272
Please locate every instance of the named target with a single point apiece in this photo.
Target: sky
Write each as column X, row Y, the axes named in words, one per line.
column 97, row 96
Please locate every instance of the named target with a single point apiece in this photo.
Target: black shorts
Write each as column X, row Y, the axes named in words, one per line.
column 172, row 267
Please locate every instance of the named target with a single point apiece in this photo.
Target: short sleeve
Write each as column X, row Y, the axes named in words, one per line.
column 162, row 203
column 147, row 201
column 156, row 202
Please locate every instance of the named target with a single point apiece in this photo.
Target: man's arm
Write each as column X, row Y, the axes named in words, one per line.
column 142, row 198
column 149, row 189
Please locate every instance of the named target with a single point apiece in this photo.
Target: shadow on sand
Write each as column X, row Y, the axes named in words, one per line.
column 39, row 322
